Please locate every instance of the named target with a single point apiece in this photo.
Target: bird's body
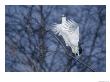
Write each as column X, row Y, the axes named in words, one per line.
column 69, row 30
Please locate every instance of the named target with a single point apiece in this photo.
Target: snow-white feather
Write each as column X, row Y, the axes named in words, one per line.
column 69, row 30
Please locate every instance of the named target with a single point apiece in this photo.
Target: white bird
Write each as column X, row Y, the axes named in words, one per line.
column 69, row 30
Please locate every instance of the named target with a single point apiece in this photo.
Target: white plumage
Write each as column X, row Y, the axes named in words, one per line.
column 69, row 30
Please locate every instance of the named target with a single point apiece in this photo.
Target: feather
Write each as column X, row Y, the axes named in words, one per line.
column 69, row 30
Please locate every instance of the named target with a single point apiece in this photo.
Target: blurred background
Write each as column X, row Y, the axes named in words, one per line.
column 30, row 47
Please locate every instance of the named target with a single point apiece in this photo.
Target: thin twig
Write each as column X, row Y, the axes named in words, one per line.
column 69, row 53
